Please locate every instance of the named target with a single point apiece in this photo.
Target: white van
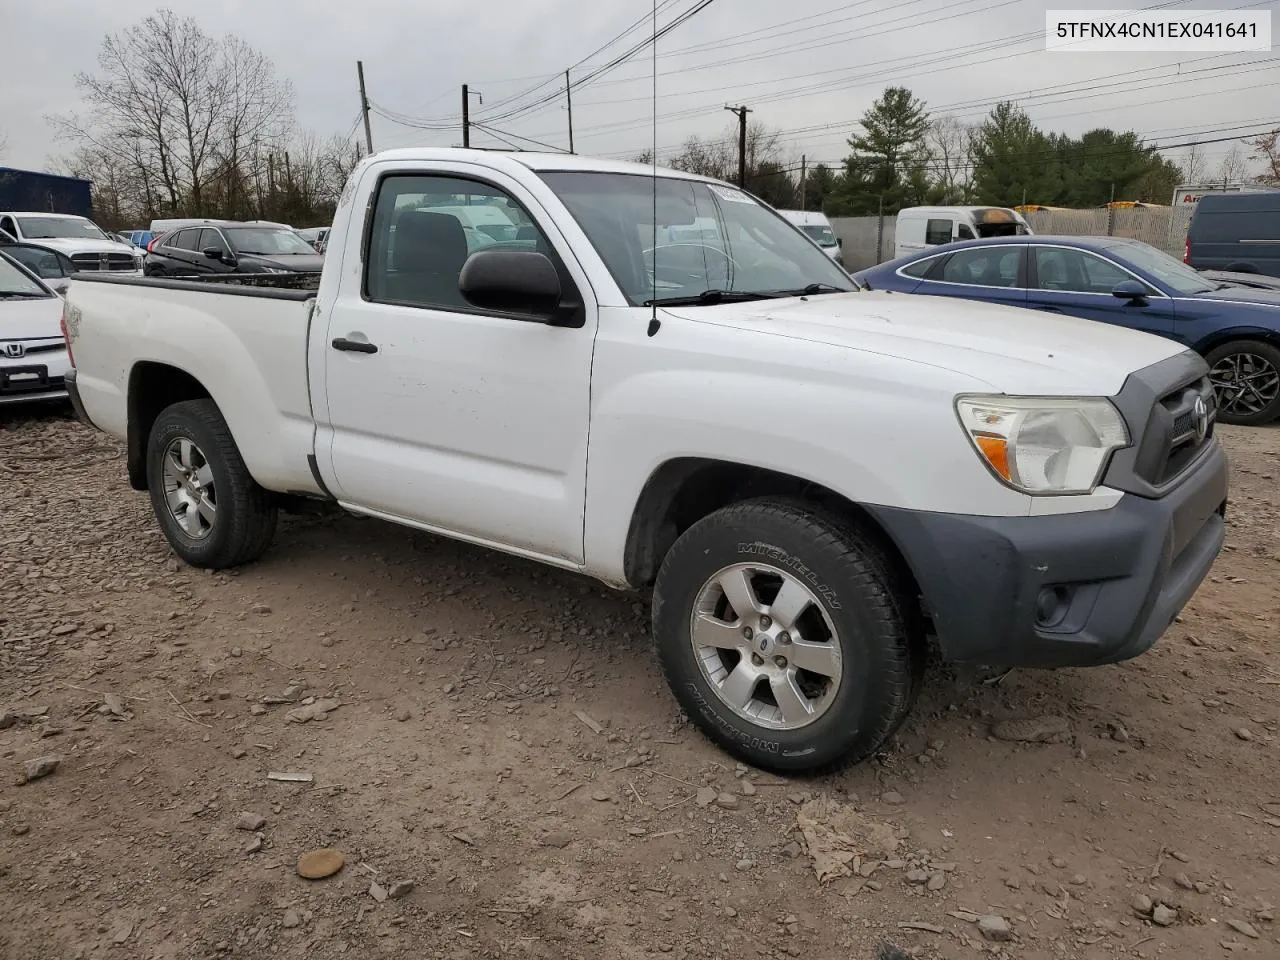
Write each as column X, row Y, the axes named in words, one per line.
column 920, row 227
column 818, row 229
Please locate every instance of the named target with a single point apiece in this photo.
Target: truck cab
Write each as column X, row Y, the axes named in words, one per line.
column 921, row 227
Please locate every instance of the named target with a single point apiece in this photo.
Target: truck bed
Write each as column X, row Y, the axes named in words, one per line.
column 242, row 340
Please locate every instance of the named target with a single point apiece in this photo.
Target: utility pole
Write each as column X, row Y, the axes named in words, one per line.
column 364, row 107
column 568, row 99
column 802, row 173
column 741, row 113
column 466, row 116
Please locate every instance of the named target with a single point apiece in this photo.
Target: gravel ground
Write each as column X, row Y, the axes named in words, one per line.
column 498, row 736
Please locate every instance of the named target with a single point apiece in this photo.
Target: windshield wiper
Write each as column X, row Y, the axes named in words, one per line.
column 710, row 296
column 812, row 290
column 22, row 294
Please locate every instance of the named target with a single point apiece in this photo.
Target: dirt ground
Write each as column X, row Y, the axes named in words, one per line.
column 504, row 742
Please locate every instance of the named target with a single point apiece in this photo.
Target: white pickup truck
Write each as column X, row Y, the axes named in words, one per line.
column 811, row 479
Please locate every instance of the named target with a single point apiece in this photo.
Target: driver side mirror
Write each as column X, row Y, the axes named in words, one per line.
column 59, row 285
column 213, row 253
column 840, row 242
column 1131, row 290
column 519, row 282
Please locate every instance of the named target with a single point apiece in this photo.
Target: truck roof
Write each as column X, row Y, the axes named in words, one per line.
column 506, row 159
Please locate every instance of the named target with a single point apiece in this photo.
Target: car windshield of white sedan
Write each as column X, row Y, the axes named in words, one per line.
column 268, row 242
column 711, row 243
column 60, row 228
column 16, row 284
column 1177, row 276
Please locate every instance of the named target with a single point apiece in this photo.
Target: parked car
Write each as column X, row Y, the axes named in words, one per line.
column 316, row 236
column 52, row 266
column 1239, row 232
column 919, row 228
column 33, row 354
column 817, row 228
column 231, row 248
column 138, row 238
column 801, row 471
column 1258, row 281
column 78, row 237
column 1122, row 282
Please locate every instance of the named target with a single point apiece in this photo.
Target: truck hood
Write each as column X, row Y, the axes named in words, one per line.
column 71, row 245
column 30, row 319
column 1010, row 349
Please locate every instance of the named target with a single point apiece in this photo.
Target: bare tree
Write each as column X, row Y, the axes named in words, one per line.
column 1267, row 149
column 1234, row 167
column 184, row 107
column 950, row 146
column 1194, row 166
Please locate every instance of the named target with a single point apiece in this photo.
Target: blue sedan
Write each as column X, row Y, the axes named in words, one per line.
column 1114, row 280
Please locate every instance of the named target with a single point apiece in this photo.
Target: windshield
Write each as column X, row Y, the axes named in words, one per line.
column 708, row 237
column 820, row 234
column 16, row 282
column 52, row 228
column 1174, row 274
column 267, row 242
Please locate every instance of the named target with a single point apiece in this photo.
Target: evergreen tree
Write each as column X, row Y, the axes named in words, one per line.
column 888, row 159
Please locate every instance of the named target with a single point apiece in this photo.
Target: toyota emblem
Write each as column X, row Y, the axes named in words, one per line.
column 1200, row 411
column 15, row 350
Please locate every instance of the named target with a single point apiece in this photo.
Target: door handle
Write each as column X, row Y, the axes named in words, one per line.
column 354, row 346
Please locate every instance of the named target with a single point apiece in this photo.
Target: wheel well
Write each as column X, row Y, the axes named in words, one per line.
column 152, row 388
column 683, row 491
column 1210, row 343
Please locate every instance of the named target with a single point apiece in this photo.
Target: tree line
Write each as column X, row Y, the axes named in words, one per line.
column 903, row 156
column 178, row 123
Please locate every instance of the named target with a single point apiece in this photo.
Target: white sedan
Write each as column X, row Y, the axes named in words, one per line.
column 33, row 355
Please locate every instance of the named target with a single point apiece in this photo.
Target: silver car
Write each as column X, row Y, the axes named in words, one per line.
column 33, row 355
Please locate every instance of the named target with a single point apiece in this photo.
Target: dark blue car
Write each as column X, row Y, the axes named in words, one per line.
column 1125, row 282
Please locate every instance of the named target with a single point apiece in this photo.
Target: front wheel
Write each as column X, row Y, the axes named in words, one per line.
column 212, row 512
column 786, row 636
column 1246, row 379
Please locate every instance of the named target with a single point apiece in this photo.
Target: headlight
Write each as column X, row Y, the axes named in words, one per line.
column 1042, row 445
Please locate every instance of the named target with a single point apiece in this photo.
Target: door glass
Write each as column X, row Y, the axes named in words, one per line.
column 963, row 232
column 185, row 240
column 937, row 231
column 211, row 239
column 1074, row 271
column 984, row 267
column 424, row 229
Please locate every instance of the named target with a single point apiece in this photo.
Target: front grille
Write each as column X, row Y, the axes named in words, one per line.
column 45, row 347
column 1172, row 439
column 96, row 261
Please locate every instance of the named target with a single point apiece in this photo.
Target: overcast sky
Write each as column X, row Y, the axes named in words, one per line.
column 808, row 68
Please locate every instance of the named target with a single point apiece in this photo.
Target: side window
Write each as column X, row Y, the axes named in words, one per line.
column 919, row 268
column 963, row 232
column 937, row 231
column 426, row 226
column 45, row 264
column 185, row 239
column 1074, row 271
column 211, row 240
column 6, row 224
column 984, row 267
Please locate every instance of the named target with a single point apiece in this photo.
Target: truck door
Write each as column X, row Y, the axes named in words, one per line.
column 468, row 421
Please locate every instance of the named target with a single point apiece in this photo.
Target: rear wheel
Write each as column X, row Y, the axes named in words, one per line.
column 784, row 634
column 212, row 512
column 1246, row 378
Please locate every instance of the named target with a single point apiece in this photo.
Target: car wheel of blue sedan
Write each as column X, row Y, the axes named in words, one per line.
column 1246, row 378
